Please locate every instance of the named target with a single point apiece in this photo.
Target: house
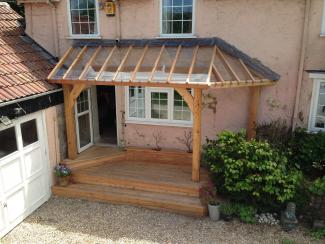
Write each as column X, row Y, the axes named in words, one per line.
column 154, row 73
column 29, row 108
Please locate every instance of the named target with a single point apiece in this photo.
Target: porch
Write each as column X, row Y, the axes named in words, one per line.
column 137, row 176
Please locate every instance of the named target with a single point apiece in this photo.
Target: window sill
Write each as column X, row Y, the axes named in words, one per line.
column 83, row 37
column 160, row 123
column 175, row 36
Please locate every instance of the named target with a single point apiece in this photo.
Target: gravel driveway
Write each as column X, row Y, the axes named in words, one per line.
column 63, row 220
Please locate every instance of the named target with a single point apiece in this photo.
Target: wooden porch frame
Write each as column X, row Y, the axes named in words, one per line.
column 73, row 87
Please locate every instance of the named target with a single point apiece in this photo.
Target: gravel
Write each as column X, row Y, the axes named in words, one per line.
column 63, row 220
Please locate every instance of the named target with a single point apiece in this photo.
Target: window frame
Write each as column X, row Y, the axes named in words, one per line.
column 153, row 121
column 83, row 36
column 177, row 35
column 314, row 103
column 322, row 31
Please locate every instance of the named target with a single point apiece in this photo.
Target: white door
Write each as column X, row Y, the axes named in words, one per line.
column 84, row 128
column 24, row 171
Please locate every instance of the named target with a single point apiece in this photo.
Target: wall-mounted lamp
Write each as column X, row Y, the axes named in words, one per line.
column 110, row 7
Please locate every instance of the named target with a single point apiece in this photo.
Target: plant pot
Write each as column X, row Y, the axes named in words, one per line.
column 214, row 212
column 227, row 218
column 63, row 180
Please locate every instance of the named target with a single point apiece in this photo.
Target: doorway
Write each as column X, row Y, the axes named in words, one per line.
column 106, row 104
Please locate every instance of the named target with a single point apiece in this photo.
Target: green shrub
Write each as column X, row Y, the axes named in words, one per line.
column 318, row 187
column 287, row 241
column 228, row 209
column 318, row 234
column 250, row 170
column 247, row 214
column 308, row 152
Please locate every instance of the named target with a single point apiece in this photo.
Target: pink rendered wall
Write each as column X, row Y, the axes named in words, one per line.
column 270, row 30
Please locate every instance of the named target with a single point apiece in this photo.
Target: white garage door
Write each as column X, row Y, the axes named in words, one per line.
column 24, row 174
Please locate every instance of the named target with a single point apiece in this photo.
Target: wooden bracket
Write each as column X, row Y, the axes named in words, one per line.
column 188, row 98
column 75, row 92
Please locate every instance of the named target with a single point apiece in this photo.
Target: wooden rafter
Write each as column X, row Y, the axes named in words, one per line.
column 190, row 72
column 90, row 62
column 172, row 68
column 60, row 63
column 247, row 70
column 137, row 67
column 75, row 62
column 120, row 67
column 211, row 64
column 188, row 98
column 156, row 63
column 228, row 66
column 110, row 54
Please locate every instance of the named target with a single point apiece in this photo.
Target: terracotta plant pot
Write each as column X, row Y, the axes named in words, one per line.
column 214, row 212
column 63, row 180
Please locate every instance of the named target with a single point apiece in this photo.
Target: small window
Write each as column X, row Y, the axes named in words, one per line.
column 159, row 105
column 83, row 16
column 136, row 102
column 318, row 113
column 177, row 17
column 29, row 132
column 181, row 109
column 8, row 142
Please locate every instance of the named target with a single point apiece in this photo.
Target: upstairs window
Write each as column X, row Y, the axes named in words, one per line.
column 177, row 17
column 318, row 106
column 83, row 17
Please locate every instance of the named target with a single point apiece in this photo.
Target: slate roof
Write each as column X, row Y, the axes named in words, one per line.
column 24, row 66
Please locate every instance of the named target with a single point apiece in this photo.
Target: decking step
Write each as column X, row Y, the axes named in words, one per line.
column 181, row 204
column 135, row 184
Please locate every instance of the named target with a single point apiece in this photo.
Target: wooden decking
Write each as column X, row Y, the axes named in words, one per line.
column 139, row 177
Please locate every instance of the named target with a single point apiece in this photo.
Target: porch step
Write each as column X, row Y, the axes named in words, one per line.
column 180, row 204
column 159, row 178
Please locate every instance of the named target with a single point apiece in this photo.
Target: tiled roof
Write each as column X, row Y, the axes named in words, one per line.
column 23, row 65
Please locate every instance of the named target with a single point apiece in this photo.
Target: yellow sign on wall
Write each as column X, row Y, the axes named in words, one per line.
column 110, row 8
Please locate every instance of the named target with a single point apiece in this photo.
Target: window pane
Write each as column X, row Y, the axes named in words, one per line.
column 181, row 109
column 177, row 17
column 29, row 132
column 8, row 143
column 74, row 4
column 159, row 105
column 320, row 113
column 84, row 130
column 136, row 102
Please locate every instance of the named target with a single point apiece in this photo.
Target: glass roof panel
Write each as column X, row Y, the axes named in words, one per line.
column 183, row 64
column 163, row 69
column 202, row 65
column 63, row 69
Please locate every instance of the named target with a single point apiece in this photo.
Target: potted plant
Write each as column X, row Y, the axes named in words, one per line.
column 227, row 211
column 208, row 194
column 63, row 174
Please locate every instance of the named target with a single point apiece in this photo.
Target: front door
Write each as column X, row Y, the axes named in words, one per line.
column 84, row 121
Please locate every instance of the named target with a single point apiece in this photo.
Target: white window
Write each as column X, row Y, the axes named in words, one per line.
column 322, row 32
column 157, row 105
column 83, row 16
column 317, row 118
column 177, row 17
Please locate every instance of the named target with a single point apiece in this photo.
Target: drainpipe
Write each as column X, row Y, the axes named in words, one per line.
column 304, row 42
column 118, row 20
column 55, row 30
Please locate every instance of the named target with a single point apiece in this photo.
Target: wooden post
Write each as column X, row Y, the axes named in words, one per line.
column 255, row 92
column 197, row 134
column 70, row 122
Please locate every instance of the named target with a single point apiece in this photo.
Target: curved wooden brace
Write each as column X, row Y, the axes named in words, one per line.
column 187, row 96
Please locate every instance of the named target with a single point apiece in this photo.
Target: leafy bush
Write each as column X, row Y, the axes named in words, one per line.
column 247, row 214
column 250, row 170
column 318, row 187
column 308, row 152
column 318, row 234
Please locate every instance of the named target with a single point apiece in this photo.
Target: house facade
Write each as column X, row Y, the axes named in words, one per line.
column 285, row 35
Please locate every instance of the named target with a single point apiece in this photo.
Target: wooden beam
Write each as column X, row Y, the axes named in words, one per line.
column 211, row 64
column 228, row 66
column 172, row 68
column 70, row 122
column 156, row 63
column 190, row 72
column 247, row 70
column 110, row 54
column 122, row 63
column 60, row 63
column 90, row 62
column 197, row 135
column 75, row 62
column 252, row 111
column 188, row 98
column 137, row 67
